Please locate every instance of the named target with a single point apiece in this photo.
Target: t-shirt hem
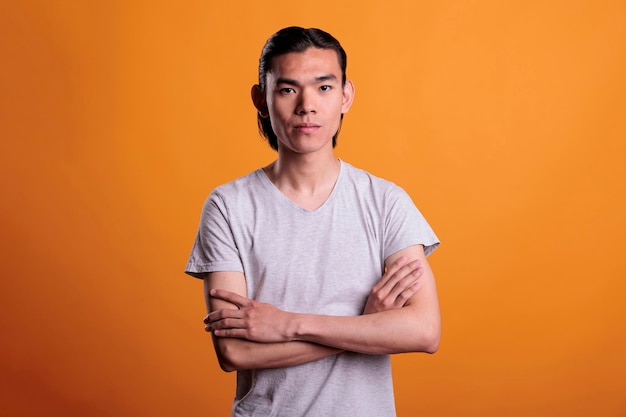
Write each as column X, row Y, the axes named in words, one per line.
column 199, row 270
column 429, row 247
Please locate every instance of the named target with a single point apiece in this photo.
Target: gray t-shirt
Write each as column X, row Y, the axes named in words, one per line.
column 323, row 261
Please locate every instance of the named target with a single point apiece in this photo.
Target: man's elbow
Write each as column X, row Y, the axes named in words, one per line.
column 432, row 344
column 226, row 363
column 228, row 354
column 429, row 338
column 227, row 366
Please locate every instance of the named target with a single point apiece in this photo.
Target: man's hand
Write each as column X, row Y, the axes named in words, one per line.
column 399, row 283
column 262, row 322
column 253, row 320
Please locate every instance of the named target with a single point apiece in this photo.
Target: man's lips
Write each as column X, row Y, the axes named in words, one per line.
column 307, row 127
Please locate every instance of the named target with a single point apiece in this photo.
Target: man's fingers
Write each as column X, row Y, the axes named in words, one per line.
column 231, row 297
column 408, row 292
column 225, row 313
column 393, row 276
column 400, row 287
column 222, row 319
column 399, row 263
column 405, row 293
column 390, row 272
column 220, row 329
column 236, row 333
column 397, row 285
column 402, row 270
column 405, row 280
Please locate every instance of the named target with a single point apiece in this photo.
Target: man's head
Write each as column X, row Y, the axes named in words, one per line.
column 290, row 40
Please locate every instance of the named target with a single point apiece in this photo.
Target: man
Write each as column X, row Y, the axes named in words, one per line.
column 314, row 271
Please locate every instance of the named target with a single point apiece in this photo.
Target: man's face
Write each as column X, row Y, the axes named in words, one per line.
column 305, row 99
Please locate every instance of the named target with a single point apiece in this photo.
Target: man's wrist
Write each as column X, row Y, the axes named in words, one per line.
column 296, row 327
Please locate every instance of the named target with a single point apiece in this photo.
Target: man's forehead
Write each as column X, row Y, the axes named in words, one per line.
column 311, row 63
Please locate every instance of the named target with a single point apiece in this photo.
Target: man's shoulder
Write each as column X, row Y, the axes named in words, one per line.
column 249, row 181
column 238, row 192
column 365, row 179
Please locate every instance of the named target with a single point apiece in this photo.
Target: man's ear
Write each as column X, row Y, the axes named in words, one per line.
column 258, row 98
column 348, row 96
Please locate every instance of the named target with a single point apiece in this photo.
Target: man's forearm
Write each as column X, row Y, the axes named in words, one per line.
column 412, row 328
column 415, row 327
column 387, row 332
column 389, row 323
column 239, row 354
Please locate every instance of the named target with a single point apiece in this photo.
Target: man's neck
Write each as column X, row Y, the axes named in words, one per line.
column 307, row 180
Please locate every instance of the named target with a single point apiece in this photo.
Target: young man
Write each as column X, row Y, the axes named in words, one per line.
column 314, row 271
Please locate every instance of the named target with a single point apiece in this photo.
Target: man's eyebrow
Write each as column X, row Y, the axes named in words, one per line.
column 288, row 81
column 318, row 79
column 327, row 77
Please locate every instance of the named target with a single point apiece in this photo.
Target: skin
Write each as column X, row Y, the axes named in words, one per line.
column 305, row 100
column 398, row 284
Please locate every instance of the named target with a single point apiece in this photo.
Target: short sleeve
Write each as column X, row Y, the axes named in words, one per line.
column 214, row 248
column 405, row 226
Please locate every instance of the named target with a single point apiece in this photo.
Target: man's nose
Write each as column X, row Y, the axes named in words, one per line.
column 306, row 103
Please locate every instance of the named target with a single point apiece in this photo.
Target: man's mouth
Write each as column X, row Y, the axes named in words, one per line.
column 307, row 127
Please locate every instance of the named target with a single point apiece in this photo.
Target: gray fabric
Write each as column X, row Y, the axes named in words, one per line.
column 322, row 262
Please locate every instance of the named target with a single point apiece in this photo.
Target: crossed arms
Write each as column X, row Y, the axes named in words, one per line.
column 401, row 315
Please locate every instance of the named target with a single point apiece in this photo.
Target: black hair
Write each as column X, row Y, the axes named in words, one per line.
column 294, row 39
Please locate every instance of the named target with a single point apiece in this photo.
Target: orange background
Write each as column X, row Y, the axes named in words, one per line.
column 506, row 122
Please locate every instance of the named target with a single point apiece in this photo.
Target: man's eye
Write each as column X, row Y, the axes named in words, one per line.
column 325, row 88
column 287, row 90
